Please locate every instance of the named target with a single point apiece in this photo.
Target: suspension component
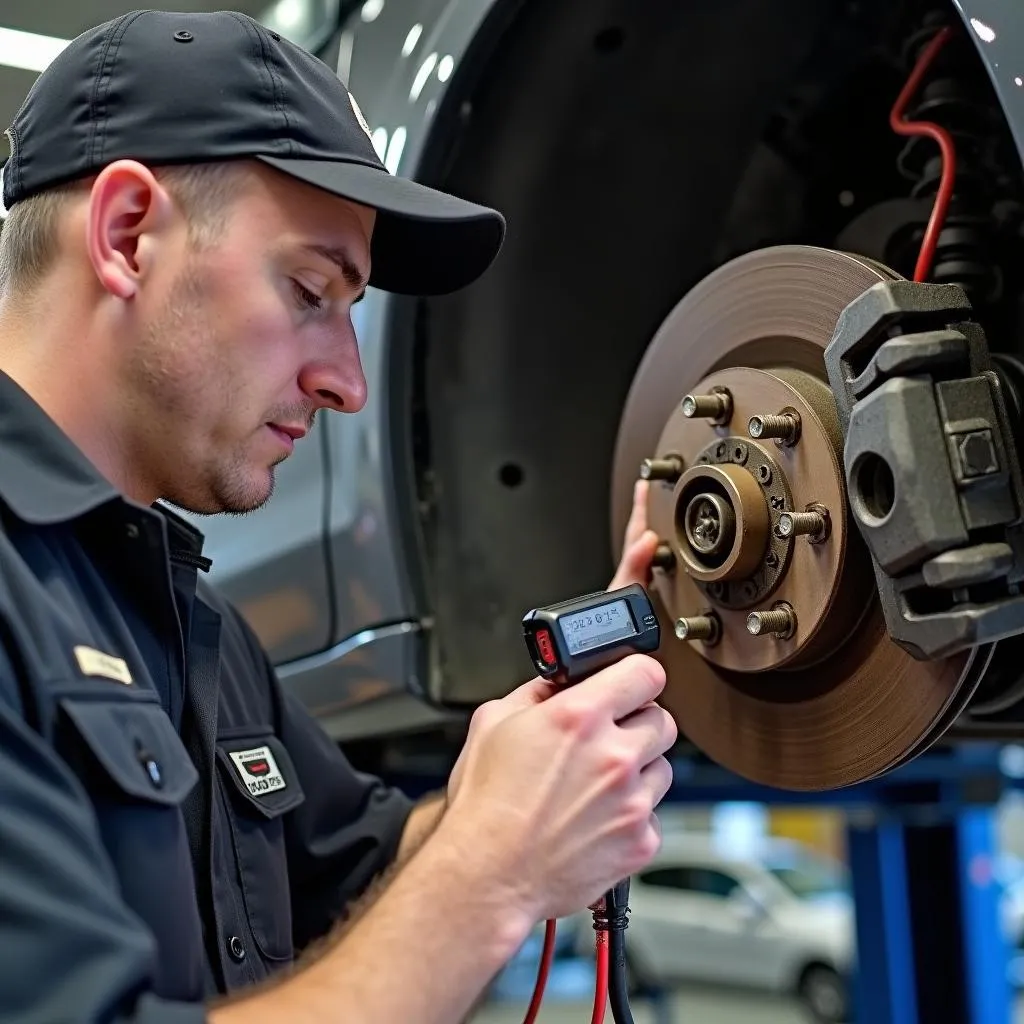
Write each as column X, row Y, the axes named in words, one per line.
column 952, row 98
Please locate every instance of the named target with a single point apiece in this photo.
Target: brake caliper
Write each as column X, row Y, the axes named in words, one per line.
column 931, row 466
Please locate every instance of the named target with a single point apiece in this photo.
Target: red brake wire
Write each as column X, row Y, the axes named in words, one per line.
column 546, row 957
column 601, row 986
column 902, row 127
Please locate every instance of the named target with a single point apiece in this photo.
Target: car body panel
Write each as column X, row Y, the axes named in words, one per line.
column 998, row 32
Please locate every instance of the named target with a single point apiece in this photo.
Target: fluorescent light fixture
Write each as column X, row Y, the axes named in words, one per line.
column 28, row 51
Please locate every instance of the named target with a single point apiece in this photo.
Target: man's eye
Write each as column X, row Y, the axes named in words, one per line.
column 307, row 298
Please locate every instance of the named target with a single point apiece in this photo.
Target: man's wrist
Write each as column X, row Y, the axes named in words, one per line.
column 488, row 877
column 421, row 821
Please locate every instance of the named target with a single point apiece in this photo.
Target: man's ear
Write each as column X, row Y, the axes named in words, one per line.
column 128, row 210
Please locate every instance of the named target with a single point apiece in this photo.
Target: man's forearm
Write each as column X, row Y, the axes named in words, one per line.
column 422, row 954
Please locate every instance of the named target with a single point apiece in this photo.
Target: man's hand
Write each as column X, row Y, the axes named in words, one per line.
column 559, row 797
column 638, row 548
column 639, row 544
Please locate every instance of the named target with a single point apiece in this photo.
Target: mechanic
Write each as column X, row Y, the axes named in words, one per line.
column 193, row 206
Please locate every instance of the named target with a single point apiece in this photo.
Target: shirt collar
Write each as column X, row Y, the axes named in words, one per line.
column 46, row 479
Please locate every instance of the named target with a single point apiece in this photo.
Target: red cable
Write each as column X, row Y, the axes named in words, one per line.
column 945, row 141
column 546, row 956
column 601, row 986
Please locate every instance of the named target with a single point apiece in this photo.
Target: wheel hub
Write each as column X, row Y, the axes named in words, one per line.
column 729, row 516
column 778, row 663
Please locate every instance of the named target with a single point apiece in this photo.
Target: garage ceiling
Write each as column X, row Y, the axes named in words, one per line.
column 64, row 19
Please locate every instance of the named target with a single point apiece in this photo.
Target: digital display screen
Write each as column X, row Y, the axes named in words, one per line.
column 583, row 631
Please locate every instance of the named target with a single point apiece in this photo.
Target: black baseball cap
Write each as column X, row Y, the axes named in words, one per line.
column 166, row 88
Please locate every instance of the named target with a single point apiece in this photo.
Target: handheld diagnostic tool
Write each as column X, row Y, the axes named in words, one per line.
column 571, row 640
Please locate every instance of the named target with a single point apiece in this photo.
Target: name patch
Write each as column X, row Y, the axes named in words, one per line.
column 258, row 770
column 96, row 663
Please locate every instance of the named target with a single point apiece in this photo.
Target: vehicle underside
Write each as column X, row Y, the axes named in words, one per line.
column 694, row 195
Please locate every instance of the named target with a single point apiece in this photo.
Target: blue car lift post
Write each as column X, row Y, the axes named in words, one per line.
column 922, row 847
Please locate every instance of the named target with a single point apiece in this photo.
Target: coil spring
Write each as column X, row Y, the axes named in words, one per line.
column 963, row 253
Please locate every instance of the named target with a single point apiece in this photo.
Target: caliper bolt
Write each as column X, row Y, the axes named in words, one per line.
column 785, row 427
column 715, row 406
column 669, row 469
column 812, row 524
column 664, row 557
column 700, row 627
column 780, row 621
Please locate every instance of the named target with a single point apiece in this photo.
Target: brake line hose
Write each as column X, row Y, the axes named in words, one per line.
column 900, row 126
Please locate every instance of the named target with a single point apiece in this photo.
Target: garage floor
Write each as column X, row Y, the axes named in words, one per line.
column 688, row 1007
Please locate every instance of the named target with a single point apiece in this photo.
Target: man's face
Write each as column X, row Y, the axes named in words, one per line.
column 240, row 343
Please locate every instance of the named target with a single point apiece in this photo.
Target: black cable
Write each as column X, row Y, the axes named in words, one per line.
column 617, row 911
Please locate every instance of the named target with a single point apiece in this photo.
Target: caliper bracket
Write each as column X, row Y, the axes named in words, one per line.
column 931, row 466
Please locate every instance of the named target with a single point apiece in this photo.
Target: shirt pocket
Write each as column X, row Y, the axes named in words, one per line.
column 137, row 773
column 127, row 750
column 261, row 786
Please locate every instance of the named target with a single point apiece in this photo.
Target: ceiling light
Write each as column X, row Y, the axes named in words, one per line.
column 27, row 50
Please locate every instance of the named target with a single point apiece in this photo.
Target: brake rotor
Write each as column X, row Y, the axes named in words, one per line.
column 785, row 673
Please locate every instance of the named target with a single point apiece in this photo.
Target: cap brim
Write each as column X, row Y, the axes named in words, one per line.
column 425, row 242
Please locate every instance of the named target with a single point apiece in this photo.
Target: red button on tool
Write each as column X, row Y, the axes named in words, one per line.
column 545, row 646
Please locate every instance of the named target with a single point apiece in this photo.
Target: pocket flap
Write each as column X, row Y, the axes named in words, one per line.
column 262, row 773
column 136, row 745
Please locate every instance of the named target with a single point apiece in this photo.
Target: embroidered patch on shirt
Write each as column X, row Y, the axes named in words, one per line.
column 96, row 663
column 258, row 770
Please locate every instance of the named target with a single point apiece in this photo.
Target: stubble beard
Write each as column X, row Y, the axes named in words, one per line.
column 166, row 380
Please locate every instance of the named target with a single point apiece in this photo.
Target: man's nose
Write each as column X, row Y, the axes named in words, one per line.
column 336, row 384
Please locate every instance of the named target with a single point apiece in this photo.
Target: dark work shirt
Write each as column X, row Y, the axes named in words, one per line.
column 173, row 823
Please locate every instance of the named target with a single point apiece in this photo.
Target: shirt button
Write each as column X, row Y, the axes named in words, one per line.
column 132, row 530
column 150, row 765
column 236, row 948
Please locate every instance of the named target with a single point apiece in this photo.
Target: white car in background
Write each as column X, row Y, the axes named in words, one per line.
column 775, row 917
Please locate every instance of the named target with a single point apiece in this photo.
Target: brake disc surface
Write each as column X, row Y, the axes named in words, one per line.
column 827, row 699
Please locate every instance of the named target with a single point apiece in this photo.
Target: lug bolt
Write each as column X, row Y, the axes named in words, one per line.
column 780, row 621
column 716, row 406
column 669, row 469
column 664, row 557
column 699, row 627
column 785, row 427
column 812, row 524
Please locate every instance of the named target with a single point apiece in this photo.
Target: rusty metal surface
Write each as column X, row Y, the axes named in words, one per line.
column 864, row 705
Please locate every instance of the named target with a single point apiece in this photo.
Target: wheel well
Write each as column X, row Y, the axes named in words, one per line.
column 812, row 965
column 626, row 144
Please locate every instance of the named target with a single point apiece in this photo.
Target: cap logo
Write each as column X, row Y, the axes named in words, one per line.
column 359, row 117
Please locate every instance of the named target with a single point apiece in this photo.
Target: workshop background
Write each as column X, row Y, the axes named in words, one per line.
column 896, row 900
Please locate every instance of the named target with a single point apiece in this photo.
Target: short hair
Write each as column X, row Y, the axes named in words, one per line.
column 28, row 237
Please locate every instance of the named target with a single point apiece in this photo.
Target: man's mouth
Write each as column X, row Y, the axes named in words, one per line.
column 288, row 433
